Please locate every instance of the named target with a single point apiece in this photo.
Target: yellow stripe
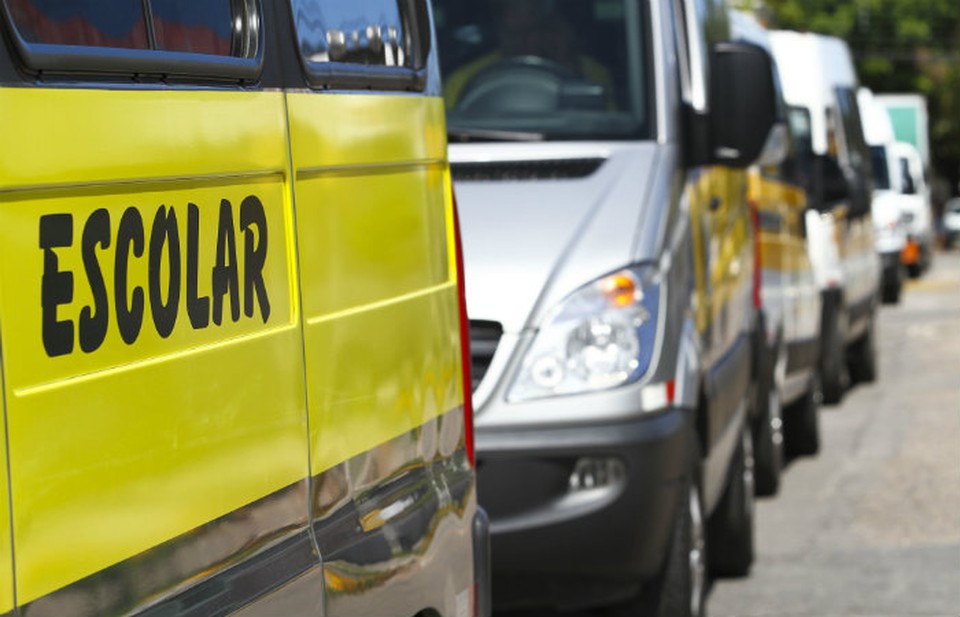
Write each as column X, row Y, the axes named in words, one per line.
column 416, row 295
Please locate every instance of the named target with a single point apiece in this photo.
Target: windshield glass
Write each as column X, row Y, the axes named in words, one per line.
column 544, row 69
column 881, row 170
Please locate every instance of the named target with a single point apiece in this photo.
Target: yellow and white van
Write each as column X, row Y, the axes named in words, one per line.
column 231, row 315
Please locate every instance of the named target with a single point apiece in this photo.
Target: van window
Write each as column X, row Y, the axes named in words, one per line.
column 188, row 25
column 367, row 32
column 94, row 23
column 881, row 171
column 852, row 128
column 799, row 166
column 909, row 186
column 213, row 27
column 545, row 69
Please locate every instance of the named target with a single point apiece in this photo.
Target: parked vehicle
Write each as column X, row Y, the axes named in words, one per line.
column 917, row 211
column 951, row 222
column 231, row 312
column 888, row 207
column 787, row 297
column 910, row 124
column 609, row 268
column 820, row 85
column 910, row 120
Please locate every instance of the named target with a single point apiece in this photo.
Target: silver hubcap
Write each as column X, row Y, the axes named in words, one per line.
column 776, row 420
column 776, row 409
column 697, row 561
column 749, row 488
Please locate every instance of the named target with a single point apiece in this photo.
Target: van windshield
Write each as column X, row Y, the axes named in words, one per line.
column 544, row 69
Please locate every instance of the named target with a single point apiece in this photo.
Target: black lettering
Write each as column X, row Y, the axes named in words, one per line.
column 164, row 231
column 93, row 324
column 225, row 276
column 198, row 307
column 56, row 287
column 129, row 238
column 254, row 256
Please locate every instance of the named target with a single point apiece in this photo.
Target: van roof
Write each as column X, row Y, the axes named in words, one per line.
column 831, row 66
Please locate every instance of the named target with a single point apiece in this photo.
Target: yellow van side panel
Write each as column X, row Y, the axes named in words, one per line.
column 379, row 298
column 120, row 442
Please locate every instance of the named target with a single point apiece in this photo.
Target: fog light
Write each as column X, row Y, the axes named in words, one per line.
column 589, row 473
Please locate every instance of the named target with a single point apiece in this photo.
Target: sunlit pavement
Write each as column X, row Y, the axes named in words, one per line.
column 871, row 526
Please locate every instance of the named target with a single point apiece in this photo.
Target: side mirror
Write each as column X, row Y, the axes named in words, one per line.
column 743, row 103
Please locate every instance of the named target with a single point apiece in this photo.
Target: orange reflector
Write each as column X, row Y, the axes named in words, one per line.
column 911, row 253
column 619, row 289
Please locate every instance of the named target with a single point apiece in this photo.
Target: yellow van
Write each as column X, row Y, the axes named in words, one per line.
column 231, row 314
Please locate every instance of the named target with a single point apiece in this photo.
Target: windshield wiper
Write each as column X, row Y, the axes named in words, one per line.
column 465, row 135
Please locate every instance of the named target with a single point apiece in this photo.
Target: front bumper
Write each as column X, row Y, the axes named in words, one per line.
column 561, row 543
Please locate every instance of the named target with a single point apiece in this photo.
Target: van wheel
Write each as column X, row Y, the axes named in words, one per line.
column 731, row 526
column 802, row 421
column 863, row 357
column 768, row 432
column 681, row 588
column 833, row 367
column 891, row 292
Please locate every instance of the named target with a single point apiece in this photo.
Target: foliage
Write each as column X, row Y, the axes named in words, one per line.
column 899, row 46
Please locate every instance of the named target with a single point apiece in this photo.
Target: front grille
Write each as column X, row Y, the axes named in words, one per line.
column 484, row 337
column 554, row 169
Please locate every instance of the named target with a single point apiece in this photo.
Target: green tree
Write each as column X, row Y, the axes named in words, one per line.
column 899, row 46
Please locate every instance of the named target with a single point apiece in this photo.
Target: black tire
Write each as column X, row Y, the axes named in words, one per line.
column 731, row 528
column 863, row 357
column 681, row 588
column 833, row 366
column 802, row 422
column 891, row 293
column 768, row 432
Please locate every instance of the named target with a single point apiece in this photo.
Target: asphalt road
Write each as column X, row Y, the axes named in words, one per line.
column 870, row 527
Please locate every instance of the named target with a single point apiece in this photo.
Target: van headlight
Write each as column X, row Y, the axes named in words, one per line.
column 599, row 337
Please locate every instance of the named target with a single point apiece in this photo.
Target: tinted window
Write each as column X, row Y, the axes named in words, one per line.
column 212, row 27
column 98, row 23
column 801, row 161
column 364, row 32
column 544, row 69
column 198, row 26
column 909, row 187
column 881, row 170
column 852, row 128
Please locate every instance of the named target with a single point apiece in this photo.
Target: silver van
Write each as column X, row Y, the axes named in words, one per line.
column 598, row 149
